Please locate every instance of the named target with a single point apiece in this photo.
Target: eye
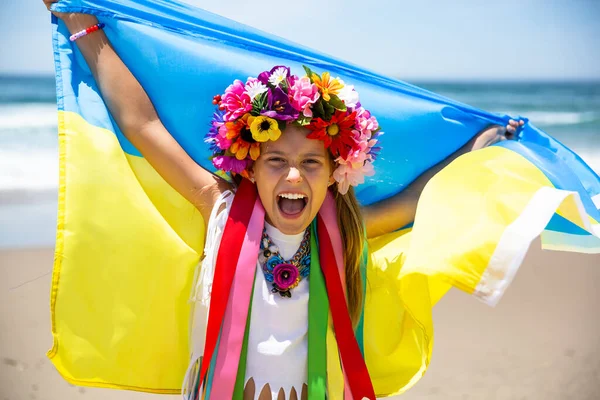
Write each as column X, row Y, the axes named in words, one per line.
column 276, row 160
column 312, row 161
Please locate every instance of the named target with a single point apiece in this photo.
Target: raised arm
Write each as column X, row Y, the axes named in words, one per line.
column 138, row 120
column 399, row 210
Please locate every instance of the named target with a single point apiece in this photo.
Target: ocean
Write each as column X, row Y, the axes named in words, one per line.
column 29, row 147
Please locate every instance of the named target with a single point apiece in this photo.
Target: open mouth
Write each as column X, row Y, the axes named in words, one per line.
column 291, row 204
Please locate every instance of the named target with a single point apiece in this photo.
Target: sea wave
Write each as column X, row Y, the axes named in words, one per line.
column 34, row 170
column 28, row 116
column 29, row 144
column 37, row 170
column 557, row 118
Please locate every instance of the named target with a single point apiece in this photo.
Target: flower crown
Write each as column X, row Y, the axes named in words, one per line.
column 255, row 112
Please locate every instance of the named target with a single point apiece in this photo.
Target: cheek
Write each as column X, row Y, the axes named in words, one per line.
column 319, row 177
column 319, row 185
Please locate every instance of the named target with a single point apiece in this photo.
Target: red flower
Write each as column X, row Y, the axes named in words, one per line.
column 336, row 133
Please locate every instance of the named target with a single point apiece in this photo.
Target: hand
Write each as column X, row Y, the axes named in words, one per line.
column 495, row 134
column 512, row 127
column 74, row 21
column 48, row 4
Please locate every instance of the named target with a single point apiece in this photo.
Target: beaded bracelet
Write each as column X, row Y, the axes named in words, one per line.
column 87, row 31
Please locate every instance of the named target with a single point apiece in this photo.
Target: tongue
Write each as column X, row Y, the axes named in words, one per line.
column 291, row 206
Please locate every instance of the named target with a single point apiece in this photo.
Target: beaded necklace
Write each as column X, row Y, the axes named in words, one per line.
column 281, row 274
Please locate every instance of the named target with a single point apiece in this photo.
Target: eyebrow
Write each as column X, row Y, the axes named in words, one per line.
column 281, row 153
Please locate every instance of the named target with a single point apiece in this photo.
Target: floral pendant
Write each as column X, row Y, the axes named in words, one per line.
column 281, row 274
column 285, row 278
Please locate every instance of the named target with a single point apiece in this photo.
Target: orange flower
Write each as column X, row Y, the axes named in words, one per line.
column 241, row 148
column 326, row 85
column 233, row 129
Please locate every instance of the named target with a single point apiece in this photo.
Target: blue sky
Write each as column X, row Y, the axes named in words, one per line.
column 426, row 39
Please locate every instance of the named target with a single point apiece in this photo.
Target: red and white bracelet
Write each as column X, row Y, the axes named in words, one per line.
column 87, row 31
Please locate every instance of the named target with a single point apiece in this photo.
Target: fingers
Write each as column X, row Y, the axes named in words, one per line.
column 512, row 127
column 48, row 3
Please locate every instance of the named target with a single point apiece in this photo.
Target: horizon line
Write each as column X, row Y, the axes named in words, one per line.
column 524, row 79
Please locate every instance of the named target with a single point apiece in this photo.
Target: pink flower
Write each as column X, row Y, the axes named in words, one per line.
column 221, row 138
column 351, row 174
column 356, row 156
column 365, row 123
column 236, row 101
column 286, row 276
column 303, row 94
column 227, row 164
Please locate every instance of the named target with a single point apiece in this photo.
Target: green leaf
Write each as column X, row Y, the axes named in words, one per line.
column 259, row 104
column 329, row 110
column 303, row 120
column 318, row 108
column 337, row 103
column 309, row 73
column 281, row 125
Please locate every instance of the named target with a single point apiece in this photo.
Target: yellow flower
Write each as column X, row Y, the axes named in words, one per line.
column 326, row 85
column 263, row 128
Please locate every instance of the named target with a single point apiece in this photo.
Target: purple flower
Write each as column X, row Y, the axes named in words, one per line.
column 212, row 136
column 281, row 71
column 291, row 81
column 286, row 276
column 279, row 106
column 263, row 77
column 375, row 150
column 230, row 164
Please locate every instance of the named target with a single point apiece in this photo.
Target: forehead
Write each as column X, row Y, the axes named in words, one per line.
column 293, row 140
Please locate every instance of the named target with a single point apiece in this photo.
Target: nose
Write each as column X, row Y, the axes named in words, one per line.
column 294, row 176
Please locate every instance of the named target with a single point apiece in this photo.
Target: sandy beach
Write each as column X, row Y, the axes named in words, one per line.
column 541, row 342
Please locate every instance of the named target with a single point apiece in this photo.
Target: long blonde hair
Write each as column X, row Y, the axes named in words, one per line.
column 353, row 237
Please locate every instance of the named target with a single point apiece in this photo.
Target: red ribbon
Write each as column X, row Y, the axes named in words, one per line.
column 352, row 359
column 229, row 253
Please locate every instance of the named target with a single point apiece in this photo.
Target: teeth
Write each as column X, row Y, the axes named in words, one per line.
column 292, row 196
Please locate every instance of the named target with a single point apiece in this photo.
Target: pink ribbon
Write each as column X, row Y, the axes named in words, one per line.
column 329, row 214
column 236, row 314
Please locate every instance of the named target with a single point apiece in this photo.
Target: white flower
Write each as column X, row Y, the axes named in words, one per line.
column 254, row 88
column 278, row 76
column 348, row 95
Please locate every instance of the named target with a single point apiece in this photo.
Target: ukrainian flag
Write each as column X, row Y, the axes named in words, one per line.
column 128, row 244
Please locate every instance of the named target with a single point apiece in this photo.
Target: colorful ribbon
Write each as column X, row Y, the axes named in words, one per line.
column 232, row 292
column 318, row 314
column 227, row 258
column 236, row 314
column 354, row 365
column 328, row 212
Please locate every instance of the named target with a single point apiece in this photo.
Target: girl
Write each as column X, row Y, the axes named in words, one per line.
column 296, row 146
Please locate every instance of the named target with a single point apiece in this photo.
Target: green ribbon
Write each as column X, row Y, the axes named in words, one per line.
column 361, row 322
column 318, row 316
